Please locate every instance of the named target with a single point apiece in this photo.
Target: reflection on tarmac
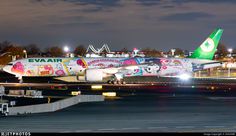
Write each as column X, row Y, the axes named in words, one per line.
column 203, row 105
column 144, row 112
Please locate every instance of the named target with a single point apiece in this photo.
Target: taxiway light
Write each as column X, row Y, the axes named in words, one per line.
column 75, row 93
column 97, row 87
column 109, row 94
column 212, row 87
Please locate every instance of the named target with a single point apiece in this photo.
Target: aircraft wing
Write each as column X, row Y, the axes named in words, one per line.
column 202, row 66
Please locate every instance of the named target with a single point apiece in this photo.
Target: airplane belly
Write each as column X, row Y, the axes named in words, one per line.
column 172, row 71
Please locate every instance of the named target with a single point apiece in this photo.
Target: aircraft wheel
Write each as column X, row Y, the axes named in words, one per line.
column 114, row 82
column 119, row 82
column 109, row 81
column 6, row 114
column 21, row 81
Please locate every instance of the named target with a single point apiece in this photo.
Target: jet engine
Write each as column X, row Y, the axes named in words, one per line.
column 94, row 75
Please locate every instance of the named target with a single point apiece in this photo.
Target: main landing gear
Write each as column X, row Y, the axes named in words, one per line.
column 117, row 79
column 115, row 82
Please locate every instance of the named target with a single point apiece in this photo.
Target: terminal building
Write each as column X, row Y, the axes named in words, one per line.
column 104, row 51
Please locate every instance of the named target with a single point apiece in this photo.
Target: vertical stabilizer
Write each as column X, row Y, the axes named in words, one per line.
column 208, row 48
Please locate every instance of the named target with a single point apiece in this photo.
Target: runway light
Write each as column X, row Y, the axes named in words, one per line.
column 184, row 77
column 109, row 94
column 96, row 87
column 75, row 93
column 212, row 87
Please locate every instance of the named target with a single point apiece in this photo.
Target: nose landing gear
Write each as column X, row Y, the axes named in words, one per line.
column 20, row 79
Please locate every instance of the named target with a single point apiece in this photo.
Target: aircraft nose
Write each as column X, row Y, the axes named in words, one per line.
column 7, row 69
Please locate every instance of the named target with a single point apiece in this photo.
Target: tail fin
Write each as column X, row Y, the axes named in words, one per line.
column 208, row 48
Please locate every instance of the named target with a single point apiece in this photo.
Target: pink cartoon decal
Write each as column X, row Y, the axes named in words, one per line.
column 164, row 61
column 60, row 73
column 130, row 62
column 45, row 70
column 164, row 67
column 100, row 65
column 111, row 65
column 136, row 70
column 18, row 68
column 81, row 63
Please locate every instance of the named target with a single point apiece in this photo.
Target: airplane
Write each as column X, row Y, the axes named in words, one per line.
column 97, row 69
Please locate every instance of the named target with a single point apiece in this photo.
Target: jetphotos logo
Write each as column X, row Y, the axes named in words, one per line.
column 208, row 45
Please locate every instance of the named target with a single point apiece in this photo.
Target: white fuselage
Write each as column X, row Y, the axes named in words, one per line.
column 127, row 66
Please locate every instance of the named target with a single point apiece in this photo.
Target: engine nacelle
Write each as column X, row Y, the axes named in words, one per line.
column 94, row 75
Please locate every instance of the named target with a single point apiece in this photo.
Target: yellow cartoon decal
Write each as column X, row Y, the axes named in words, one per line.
column 30, row 73
column 45, row 70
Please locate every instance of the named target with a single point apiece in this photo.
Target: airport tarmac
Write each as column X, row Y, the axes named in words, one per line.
column 161, row 107
column 141, row 112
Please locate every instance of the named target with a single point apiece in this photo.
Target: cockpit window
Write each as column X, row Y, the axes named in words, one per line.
column 10, row 64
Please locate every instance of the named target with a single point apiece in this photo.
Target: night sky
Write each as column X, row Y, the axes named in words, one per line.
column 159, row 24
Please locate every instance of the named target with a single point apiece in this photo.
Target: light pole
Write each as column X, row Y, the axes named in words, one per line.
column 229, row 64
column 230, row 52
column 25, row 52
column 173, row 52
column 66, row 50
column 135, row 51
column 2, row 91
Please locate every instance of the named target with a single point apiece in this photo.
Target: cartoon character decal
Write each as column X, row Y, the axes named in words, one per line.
column 76, row 66
column 59, row 71
column 104, row 63
column 134, row 72
column 152, row 69
column 154, row 66
column 177, row 63
column 81, row 62
column 164, row 63
column 18, row 68
column 45, row 70
column 73, row 66
column 30, row 73
column 130, row 61
column 110, row 66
